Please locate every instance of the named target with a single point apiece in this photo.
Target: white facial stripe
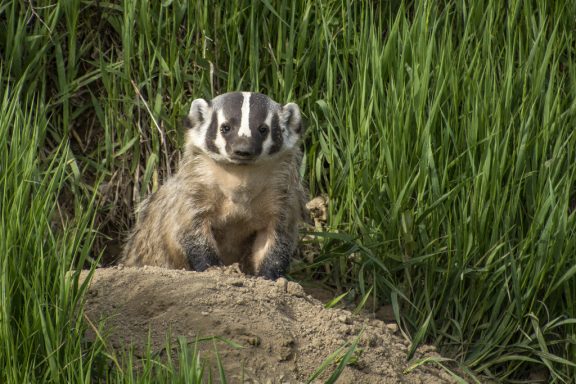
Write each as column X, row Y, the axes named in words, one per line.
column 220, row 142
column 267, row 144
column 245, row 122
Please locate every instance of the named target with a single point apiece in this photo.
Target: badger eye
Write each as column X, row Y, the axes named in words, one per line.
column 263, row 129
column 224, row 128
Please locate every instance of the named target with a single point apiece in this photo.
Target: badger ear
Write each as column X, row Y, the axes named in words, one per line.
column 198, row 114
column 291, row 119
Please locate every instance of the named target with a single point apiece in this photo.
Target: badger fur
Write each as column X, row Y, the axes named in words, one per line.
column 237, row 195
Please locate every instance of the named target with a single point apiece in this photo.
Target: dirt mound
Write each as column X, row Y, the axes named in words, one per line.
column 286, row 334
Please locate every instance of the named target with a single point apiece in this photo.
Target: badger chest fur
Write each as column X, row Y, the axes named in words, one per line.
column 237, row 195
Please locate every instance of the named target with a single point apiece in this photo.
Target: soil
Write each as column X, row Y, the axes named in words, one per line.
column 285, row 333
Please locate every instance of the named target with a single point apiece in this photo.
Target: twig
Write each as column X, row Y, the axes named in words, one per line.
column 149, row 112
column 38, row 16
column 160, row 131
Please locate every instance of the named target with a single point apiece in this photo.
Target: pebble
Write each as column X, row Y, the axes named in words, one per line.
column 392, row 327
column 400, row 347
column 295, row 289
column 237, row 282
column 282, row 284
column 344, row 319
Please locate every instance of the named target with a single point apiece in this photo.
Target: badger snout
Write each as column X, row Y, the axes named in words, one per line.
column 243, row 149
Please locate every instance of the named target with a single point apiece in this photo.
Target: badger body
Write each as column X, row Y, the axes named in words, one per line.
column 237, row 195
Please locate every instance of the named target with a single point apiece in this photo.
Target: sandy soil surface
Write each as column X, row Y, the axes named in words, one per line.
column 286, row 334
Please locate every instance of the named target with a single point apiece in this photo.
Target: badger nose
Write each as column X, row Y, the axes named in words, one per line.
column 243, row 148
column 242, row 153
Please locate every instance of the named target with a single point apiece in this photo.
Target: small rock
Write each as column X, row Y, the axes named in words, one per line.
column 344, row 319
column 343, row 329
column 285, row 354
column 295, row 289
column 369, row 340
column 282, row 284
column 392, row 327
column 538, row 375
column 233, row 269
column 385, row 313
column 427, row 349
column 204, row 313
column 254, row 341
column 399, row 347
column 237, row 282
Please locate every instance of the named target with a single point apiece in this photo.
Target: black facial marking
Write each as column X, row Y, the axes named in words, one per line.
column 277, row 138
column 257, row 140
column 260, row 106
column 211, row 134
column 232, row 108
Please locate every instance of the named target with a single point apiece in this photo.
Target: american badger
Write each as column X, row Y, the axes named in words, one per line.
column 237, row 195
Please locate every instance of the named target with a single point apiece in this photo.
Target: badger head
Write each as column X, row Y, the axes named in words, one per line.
column 242, row 127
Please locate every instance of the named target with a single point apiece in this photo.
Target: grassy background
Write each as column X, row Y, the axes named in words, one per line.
column 443, row 132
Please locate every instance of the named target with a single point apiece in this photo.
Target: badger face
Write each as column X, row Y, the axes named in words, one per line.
column 243, row 127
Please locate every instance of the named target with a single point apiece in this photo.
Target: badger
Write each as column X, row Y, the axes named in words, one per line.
column 237, row 195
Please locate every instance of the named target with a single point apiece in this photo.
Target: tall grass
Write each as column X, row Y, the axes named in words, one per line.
column 453, row 160
column 41, row 331
column 442, row 131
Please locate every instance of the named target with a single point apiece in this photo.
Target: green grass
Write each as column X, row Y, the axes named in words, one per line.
column 443, row 133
